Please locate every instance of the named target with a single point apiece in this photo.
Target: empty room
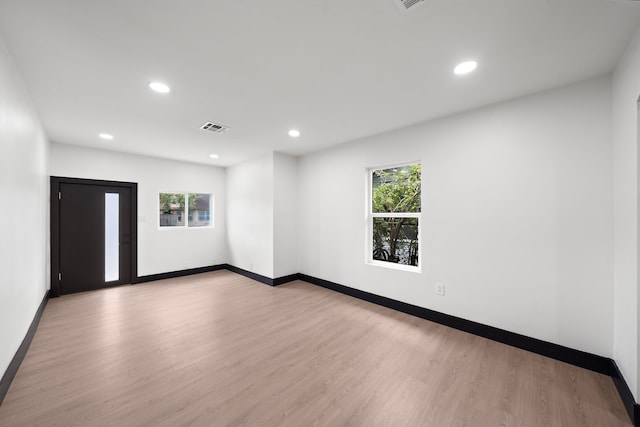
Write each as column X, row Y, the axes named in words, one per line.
column 292, row 213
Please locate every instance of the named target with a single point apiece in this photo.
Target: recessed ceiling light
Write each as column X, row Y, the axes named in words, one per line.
column 213, row 156
column 294, row 133
column 159, row 87
column 465, row 67
column 106, row 136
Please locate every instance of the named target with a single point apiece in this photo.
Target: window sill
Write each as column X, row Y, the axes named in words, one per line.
column 394, row 266
column 186, row 228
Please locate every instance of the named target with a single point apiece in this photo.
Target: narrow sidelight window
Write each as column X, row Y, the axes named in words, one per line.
column 111, row 237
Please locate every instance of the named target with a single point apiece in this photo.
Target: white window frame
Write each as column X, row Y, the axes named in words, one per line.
column 186, row 211
column 211, row 216
column 370, row 215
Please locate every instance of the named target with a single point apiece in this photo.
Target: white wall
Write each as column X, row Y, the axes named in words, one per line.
column 159, row 250
column 626, row 89
column 285, row 180
column 24, row 229
column 250, row 215
column 517, row 215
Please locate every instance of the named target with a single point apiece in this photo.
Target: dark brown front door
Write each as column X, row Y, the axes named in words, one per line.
column 94, row 237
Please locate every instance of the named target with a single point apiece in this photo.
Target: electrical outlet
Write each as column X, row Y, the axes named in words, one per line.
column 440, row 289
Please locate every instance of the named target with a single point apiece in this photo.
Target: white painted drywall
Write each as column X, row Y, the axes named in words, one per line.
column 250, row 215
column 517, row 215
column 159, row 250
column 24, row 229
column 626, row 89
column 285, row 179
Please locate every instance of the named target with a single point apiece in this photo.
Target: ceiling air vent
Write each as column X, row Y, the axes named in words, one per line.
column 406, row 5
column 214, row 127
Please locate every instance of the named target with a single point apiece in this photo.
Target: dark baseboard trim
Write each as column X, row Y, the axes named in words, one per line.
column 188, row 272
column 263, row 279
column 565, row 354
column 15, row 363
column 286, row 279
column 251, row 275
column 633, row 409
column 179, row 273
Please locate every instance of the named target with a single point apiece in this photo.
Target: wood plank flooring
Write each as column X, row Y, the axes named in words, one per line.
column 218, row 349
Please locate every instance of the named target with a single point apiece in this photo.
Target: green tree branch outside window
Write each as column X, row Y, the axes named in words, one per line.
column 395, row 190
column 168, row 200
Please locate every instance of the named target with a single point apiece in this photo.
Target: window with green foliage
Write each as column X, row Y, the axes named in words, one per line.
column 172, row 209
column 394, row 216
column 185, row 210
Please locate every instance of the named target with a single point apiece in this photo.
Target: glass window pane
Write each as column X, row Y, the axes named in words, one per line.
column 395, row 240
column 111, row 237
column 199, row 210
column 172, row 210
column 396, row 189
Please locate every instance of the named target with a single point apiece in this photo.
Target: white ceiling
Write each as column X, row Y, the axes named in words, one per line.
column 336, row 70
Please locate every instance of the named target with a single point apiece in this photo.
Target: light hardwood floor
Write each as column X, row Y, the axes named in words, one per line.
column 218, row 349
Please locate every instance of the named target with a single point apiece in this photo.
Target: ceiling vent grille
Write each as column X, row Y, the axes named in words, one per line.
column 214, row 127
column 407, row 5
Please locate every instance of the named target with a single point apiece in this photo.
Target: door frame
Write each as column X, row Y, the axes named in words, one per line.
column 55, row 224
